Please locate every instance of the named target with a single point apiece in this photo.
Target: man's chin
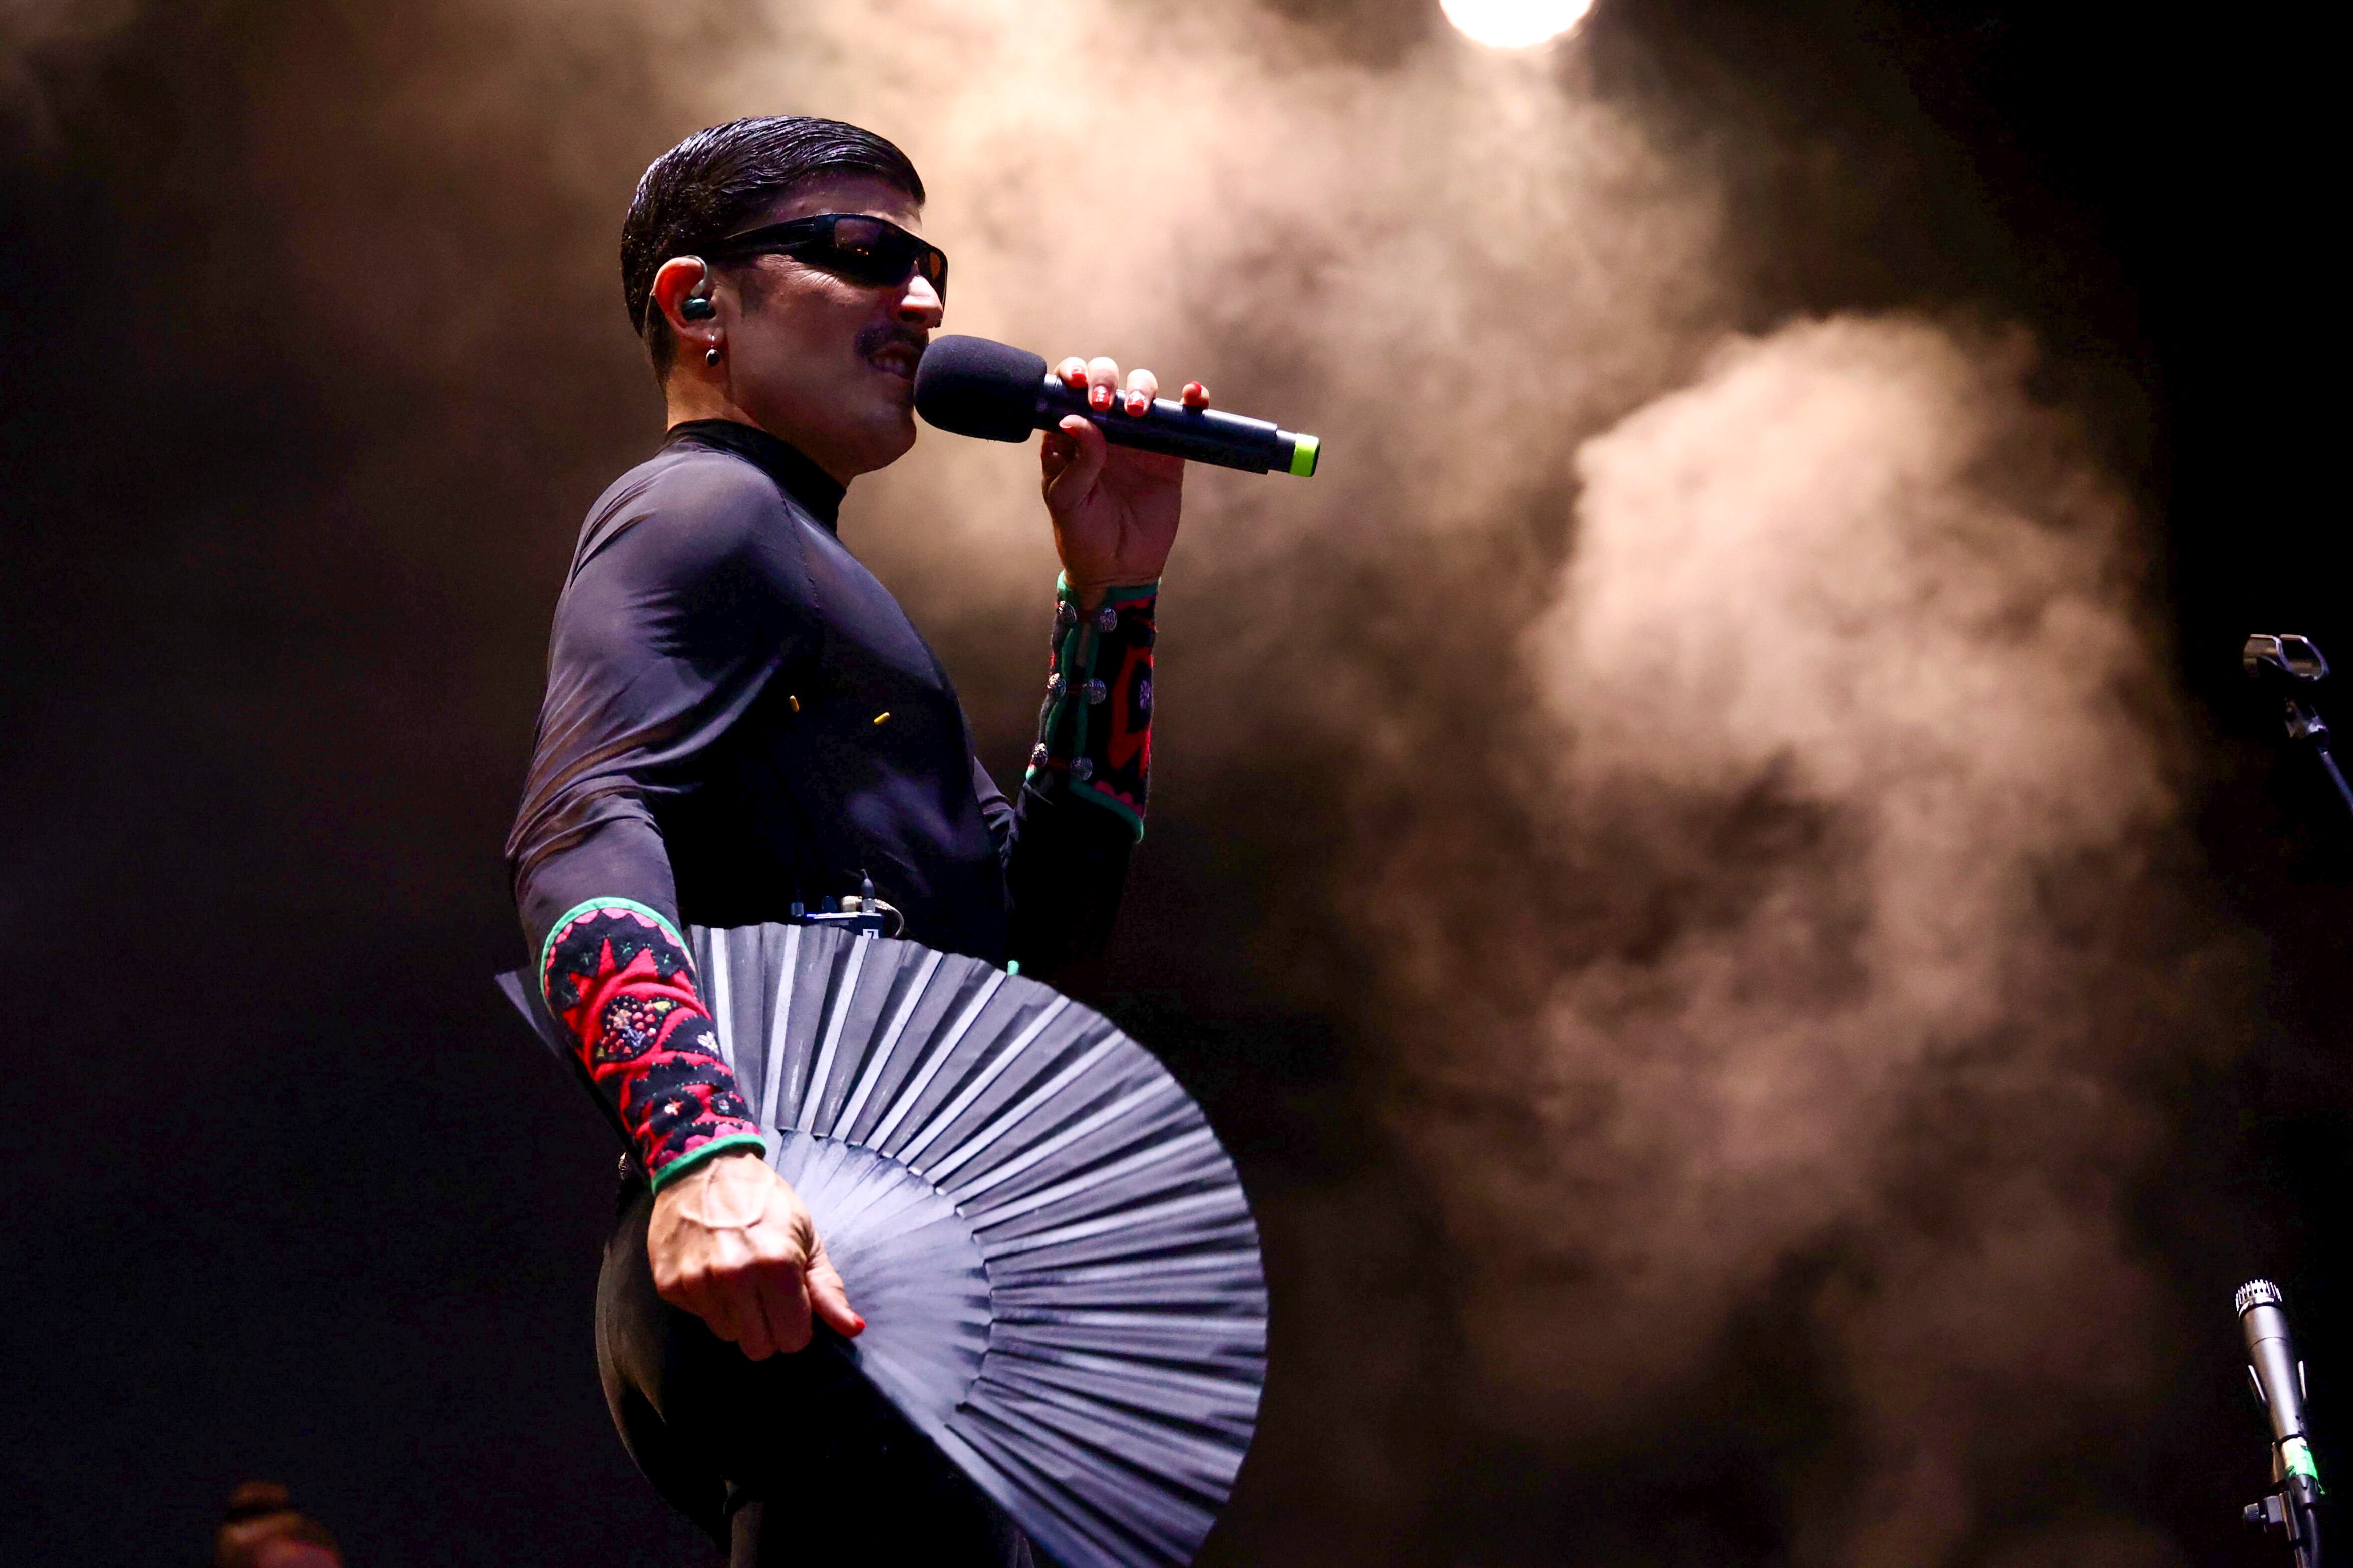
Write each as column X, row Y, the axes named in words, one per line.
column 887, row 439
column 893, row 401
column 857, row 422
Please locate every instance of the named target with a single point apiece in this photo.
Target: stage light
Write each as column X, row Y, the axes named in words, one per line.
column 1515, row 24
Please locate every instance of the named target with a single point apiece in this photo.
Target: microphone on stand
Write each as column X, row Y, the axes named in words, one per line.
column 976, row 387
column 2278, row 1379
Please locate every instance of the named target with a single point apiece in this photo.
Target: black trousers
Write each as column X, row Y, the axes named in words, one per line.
column 796, row 1459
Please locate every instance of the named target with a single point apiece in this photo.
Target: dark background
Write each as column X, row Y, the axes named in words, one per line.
column 291, row 1199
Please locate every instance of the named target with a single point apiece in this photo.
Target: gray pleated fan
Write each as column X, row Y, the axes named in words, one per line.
column 1057, row 1266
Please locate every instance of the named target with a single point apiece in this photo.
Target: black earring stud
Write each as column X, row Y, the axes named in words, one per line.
column 711, row 354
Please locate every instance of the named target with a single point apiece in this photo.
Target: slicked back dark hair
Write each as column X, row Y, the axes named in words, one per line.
column 717, row 181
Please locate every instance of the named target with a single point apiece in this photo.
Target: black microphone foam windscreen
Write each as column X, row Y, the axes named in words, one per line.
column 977, row 386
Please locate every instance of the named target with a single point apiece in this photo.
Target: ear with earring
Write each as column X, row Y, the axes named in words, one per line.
column 697, row 306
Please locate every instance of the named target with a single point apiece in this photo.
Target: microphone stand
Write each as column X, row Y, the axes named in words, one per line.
column 2292, row 667
column 2294, row 1511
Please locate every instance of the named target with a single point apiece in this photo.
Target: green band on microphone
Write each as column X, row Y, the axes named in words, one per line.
column 1304, row 448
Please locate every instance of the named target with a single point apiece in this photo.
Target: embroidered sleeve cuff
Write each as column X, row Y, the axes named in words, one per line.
column 621, row 981
column 1094, row 733
column 746, row 1142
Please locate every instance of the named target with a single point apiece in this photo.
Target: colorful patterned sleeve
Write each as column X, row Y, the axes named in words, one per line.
column 621, row 981
column 1094, row 733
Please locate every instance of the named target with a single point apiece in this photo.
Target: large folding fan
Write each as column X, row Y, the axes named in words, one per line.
column 1058, row 1270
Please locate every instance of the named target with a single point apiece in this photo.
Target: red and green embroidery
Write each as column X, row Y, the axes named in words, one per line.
column 621, row 981
column 1094, row 731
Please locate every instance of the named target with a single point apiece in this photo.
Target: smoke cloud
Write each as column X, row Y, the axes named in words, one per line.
column 1847, row 770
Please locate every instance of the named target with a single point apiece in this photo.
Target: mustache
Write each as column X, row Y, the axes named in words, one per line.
column 873, row 338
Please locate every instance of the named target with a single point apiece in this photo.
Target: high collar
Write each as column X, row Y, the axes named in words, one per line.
column 818, row 492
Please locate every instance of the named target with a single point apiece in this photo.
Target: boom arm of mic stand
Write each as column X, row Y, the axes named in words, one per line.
column 2292, row 665
column 2305, row 724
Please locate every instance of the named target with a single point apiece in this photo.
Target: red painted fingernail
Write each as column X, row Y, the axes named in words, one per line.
column 1137, row 403
column 1099, row 398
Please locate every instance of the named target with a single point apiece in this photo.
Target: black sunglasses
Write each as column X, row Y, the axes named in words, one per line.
column 869, row 250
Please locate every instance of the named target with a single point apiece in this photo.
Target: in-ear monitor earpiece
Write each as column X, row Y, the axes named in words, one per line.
column 697, row 306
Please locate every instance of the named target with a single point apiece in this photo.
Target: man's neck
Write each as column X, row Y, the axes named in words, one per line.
column 689, row 397
column 794, row 474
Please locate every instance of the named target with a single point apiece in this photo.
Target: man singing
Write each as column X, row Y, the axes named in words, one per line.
column 739, row 719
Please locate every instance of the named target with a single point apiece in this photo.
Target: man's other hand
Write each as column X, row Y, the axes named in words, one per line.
column 732, row 1243
column 1114, row 508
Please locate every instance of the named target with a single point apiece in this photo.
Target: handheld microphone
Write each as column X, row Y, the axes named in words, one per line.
column 2278, row 1378
column 976, row 387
